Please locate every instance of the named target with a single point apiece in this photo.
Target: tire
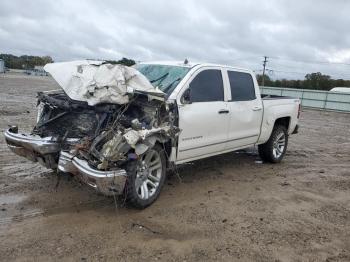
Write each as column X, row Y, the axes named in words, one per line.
column 275, row 148
column 139, row 189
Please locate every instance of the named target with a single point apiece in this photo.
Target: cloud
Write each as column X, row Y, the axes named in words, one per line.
column 229, row 32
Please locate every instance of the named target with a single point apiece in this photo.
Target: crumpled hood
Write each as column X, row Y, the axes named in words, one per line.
column 97, row 82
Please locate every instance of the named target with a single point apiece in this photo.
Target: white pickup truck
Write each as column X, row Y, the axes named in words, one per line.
column 119, row 129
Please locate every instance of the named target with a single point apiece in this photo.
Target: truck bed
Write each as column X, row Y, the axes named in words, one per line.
column 277, row 107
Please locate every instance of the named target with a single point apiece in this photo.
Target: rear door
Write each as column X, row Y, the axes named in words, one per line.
column 204, row 119
column 245, row 108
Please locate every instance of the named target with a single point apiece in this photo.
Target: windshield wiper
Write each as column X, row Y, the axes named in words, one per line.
column 160, row 78
column 165, row 90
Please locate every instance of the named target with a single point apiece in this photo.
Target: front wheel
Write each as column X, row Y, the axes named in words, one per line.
column 275, row 148
column 146, row 178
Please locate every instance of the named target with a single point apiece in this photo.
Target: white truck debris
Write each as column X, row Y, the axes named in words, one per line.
column 119, row 128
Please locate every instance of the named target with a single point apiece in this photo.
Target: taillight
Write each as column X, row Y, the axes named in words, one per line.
column 299, row 111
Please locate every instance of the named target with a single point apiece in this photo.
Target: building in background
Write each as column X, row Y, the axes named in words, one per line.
column 39, row 68
column 341, row 89
column 2, row 66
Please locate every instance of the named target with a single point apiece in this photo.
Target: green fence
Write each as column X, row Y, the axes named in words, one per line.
column 313, row 98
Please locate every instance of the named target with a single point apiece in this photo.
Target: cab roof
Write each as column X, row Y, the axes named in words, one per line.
column 193, row 64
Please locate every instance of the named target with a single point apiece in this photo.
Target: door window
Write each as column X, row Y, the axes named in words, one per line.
column 242, row 86
column 207, row 86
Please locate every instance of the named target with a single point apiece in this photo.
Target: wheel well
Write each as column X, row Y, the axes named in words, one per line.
column 283, row 121
column 167, row 148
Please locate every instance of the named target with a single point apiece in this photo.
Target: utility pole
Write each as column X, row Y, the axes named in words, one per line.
column 264, row 64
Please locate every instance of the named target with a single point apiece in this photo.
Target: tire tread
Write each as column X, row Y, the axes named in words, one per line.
column 130, row 193
column 266, row 149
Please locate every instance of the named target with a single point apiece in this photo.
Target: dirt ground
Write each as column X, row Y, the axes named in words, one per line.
column 226, row 208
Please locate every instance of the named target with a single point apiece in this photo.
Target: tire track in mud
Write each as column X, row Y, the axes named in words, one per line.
column 325, row 165
column 17, row 169
column 20, row 217
column 46, row 212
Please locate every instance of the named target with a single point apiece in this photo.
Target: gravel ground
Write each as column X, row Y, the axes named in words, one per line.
column 227, row 208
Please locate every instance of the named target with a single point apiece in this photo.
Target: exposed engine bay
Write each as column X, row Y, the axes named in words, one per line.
column 106, row 135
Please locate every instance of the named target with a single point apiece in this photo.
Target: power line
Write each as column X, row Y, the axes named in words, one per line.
column 304, row 73
column 310, row 61
column 270, row 70
column 291, row 66
column 243, row 59
column 294, row 60
column 271, row 59
column 291, row 72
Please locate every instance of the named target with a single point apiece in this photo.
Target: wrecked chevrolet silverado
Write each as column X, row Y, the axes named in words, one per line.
column 119, row 128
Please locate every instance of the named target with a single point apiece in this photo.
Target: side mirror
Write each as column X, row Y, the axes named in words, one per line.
column 186, row 97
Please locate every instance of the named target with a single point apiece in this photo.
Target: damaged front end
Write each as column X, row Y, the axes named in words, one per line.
column 95, row 137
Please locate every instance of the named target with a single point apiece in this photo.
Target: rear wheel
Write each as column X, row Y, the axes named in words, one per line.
column 146, row 178
column 275, row 148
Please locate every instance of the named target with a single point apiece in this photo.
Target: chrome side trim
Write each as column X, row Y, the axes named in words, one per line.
column 218, row 143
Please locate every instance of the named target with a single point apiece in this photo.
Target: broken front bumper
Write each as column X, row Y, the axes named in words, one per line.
column 107, row 182
column 34, row 148
column 46, row 151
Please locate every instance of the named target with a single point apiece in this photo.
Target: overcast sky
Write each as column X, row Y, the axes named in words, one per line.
column 231, row 32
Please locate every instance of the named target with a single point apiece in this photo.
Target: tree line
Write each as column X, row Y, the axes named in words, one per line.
column 29, row 62
column 24, row 61
column 316, row 81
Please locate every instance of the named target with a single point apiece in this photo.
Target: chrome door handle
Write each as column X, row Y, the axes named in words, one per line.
column 224, row 111
column 257, row 108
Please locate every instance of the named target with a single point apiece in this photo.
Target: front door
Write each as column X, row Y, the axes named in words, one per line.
column 203, row 116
